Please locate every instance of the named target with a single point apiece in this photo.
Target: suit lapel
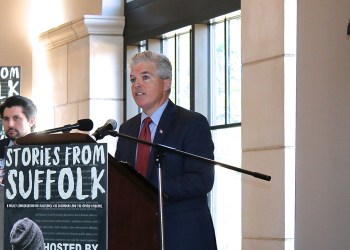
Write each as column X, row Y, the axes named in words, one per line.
column 164, row 126
column 165, row 122
column 134, row 132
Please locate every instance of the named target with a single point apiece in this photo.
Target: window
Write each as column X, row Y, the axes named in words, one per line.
column 225, row 53
column 176, row 45
column 225, row 113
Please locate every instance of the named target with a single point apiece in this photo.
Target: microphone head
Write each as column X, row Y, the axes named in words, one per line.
column 85, row 124
column 101, row 132
column 111, row 124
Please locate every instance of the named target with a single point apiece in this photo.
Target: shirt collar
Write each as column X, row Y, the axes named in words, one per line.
column 157, row 114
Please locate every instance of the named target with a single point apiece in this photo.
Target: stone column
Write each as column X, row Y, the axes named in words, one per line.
column 268, row 123
column 80, row 73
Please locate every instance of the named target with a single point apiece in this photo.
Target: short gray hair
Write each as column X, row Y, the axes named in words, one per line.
column 162, row 62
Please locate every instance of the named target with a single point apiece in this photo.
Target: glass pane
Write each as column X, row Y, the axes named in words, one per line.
column 234, row 71
column 169, row 51
column 183, row 71
column 226, row 194
column 217, row 80
column 176, row 45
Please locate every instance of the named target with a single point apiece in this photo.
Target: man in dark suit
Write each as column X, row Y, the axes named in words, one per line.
column 186, row 182
column 18, row 114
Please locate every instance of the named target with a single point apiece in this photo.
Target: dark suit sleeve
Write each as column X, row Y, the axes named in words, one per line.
column 184, row 177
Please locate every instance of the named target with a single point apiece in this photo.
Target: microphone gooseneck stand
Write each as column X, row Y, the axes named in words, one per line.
column 159, row 155
column 82, row 124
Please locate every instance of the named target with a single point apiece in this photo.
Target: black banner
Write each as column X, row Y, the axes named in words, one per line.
column 10, row 82
column 61, row 192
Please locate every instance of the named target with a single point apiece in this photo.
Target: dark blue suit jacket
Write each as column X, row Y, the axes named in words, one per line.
column 186, row 182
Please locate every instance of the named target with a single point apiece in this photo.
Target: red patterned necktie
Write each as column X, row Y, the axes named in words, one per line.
column 143, row 150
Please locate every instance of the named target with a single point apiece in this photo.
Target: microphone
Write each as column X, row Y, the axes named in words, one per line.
column 101, row 132
column 83, row 125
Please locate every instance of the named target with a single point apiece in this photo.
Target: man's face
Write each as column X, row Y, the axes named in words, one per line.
column 16, row 123
column 148, row 89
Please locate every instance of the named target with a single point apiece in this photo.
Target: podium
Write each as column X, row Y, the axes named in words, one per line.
column 133, row 221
